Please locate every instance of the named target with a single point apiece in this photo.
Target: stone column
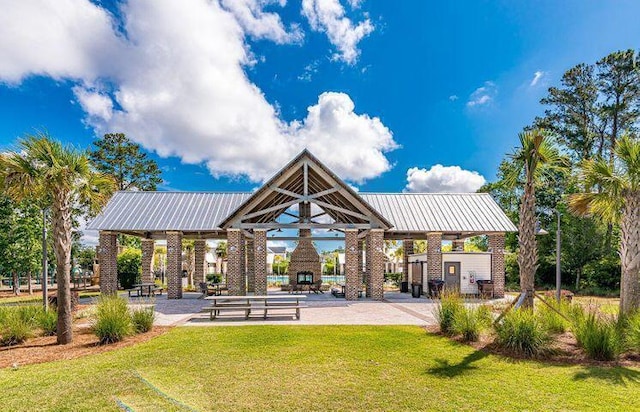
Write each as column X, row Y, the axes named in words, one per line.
column 200, row 256
column 407, row 246
column 260, row 261
column 353, row 280
column 434, row 256
column 107, row 258
column 148, row 246
column 375, row 263
column 250, row 265
column 235, row 263
column 174, row 265
column 367, row 263
column 496, row 246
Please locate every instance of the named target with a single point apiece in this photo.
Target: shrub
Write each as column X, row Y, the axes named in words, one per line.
column 29, row 313
column 551, row 320
column 15, row 328
column 112, row 320
column 48, row 322
column 632, row 332
column 142, row 319
column 214, row 277
column 446, row 309
column 470, row 322
column 522, row 333
column 393, row 277
column 129, row 267
column 599, row 336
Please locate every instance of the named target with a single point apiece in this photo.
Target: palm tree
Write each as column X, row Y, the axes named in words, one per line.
column 42, row 168
column 617, row 200
column 535, row 155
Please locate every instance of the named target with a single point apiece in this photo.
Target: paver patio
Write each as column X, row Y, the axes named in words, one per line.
column 324, row 309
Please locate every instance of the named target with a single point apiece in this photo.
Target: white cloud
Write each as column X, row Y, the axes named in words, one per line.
column 309, row 71
column 184, row 92
column 537, row 76
column 260, row 24
column 483, row 95
column 328, row 16
column 443, row 179
column 93, row 103
column 61, row 39
column 453, row 97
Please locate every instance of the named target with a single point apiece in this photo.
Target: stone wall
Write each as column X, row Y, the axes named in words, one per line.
column 148, row 246
column 235, row 263
column 375, row 264
column 200, row 270
column 353, row 280
column 260, row 261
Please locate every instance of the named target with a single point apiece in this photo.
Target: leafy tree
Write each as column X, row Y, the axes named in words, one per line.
column 618, row 200
column 119, row 157
column 129, row 267
column 535, row 154
column 85, row 256
column 45, row 169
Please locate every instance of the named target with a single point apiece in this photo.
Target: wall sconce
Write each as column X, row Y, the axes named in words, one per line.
column 352, row 248
column 170, row 249
column 378, row 249
column 259, row 248
column 232, row 248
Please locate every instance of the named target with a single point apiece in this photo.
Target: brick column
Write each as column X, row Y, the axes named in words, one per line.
column 174, row 265
column 434, row 256
column 250, row 265
column 235, row 263
column 353, row 280
column 148, row 246
column 375, row 264
column 363, row 271
column 107, row 258
column 407, row 246
column 260, row 261
column 200, row 253
column 496, row 245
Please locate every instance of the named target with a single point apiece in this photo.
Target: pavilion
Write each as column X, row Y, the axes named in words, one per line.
column 285, row 202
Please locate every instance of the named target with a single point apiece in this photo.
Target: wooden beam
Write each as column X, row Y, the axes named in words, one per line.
column 305, row 168
column 284, row 205
column 277, row 225
column 341, row 209
column 288, row 193
column 317, row 238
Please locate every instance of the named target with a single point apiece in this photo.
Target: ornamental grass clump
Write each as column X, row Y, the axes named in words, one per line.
column 550, row 319
column 632, row 332
column 15, row 327
column 142, row 318
column 522, row 333
column 47, row 321
column 112, row 320
column 600, row 336
column 469, row 322
column 446, row 309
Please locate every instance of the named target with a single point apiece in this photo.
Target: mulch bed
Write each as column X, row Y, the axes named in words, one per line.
column 564, row 350
column 45, row 349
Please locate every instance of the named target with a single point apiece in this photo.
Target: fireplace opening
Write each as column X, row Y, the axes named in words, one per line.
column 305, row 278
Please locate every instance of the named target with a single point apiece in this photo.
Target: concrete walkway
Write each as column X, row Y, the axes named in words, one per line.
column 323, row 309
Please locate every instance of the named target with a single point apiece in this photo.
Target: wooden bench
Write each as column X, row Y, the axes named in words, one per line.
column 253, row 304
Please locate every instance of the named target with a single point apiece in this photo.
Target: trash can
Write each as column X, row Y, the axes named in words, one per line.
column 404, row 287
column 435, row 288
column 416, row 290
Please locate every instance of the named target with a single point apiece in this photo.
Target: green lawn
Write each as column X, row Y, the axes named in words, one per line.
column 309, row 368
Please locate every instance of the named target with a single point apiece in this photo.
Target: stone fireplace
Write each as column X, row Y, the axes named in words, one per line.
column 304, row 258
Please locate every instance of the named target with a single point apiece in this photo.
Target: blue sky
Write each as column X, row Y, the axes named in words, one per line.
column 222, row 93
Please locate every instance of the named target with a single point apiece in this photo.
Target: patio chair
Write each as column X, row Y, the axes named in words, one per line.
column 316, row 287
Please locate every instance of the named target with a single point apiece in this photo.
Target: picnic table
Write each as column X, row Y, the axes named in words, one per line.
column 262, row 304
column 144, row 289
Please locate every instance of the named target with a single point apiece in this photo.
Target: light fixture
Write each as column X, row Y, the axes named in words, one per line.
column 232, row 248
column 279, row 230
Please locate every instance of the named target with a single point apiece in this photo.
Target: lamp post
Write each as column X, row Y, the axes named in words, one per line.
column 558, row 245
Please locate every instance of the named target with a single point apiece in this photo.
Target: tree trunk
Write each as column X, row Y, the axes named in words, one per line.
column 61, row 220
column 630, row 254
column 30, row 288
column 578, row 274
column 528, row 252
column 16, row 283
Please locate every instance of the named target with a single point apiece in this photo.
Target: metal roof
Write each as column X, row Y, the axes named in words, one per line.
column 205, row 211
column 163, row 211
column 441, row 212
